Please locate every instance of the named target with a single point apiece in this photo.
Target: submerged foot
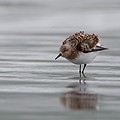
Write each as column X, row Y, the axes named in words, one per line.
column 82, row 78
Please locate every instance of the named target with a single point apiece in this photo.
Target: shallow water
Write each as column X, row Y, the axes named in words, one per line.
column 33, row 86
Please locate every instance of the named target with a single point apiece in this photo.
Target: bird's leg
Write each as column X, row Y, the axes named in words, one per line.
column 84, row 70
column 80, row 70
column 80, row 74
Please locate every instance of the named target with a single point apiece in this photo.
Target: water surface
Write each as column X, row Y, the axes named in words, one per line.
column 33, row 86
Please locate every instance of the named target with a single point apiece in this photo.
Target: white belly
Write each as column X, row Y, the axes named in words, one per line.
column 84, row 58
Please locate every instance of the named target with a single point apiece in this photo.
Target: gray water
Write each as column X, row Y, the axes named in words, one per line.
column 33, row 86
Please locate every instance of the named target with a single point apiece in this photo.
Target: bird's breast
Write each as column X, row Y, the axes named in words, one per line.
column 84, row 58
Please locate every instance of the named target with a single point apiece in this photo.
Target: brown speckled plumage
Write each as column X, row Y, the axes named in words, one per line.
column 79, row 42
column 82, row 41
column 74, row 54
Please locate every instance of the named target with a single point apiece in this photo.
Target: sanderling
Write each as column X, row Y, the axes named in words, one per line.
column 81, row 48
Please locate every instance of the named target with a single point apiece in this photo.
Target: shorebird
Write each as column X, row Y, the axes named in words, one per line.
column 80, row 48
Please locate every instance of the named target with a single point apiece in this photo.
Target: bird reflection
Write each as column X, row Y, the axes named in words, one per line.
column 80, row 100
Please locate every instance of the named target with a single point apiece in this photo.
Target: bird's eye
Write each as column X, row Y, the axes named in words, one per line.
column 65, row 50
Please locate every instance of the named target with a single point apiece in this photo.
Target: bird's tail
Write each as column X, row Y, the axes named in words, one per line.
column 98, row 48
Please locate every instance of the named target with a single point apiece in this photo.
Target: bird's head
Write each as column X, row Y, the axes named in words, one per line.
column 65, row 51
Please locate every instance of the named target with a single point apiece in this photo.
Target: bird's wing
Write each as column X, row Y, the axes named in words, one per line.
column 87, row 46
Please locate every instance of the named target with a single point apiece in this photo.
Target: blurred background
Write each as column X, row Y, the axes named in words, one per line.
column 33, row 86
column 64, row 16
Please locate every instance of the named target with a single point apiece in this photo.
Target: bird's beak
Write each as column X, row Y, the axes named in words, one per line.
column 58, row 56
